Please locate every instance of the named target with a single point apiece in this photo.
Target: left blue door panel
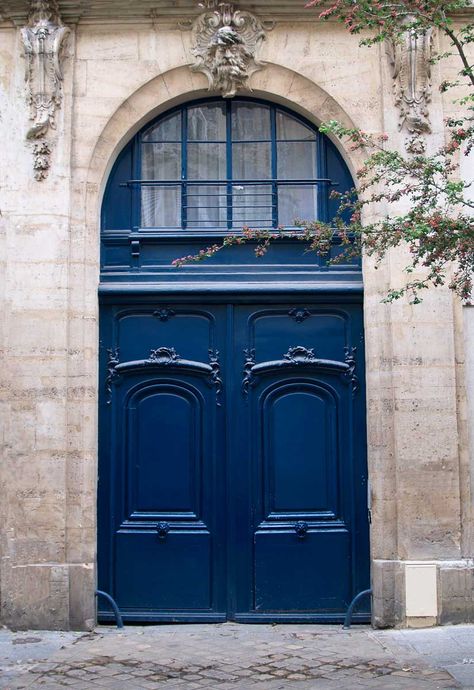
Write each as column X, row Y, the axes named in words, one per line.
column 161, row 542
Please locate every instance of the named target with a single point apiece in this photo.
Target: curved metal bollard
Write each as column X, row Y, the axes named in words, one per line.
column 112, row 602
column 352, row 605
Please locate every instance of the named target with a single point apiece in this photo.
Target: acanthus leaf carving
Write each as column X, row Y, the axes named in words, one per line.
column 164, row 356
column 215, row 377
column 410, row 60
column 247, row 377
column 350, row 360
column 300, row 355
column 44, row 38
column 225, row 46
column 113, row 360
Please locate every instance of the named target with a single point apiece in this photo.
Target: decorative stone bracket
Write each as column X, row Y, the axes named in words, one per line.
column 410, row 60
column 225, row 46
column 44, row 38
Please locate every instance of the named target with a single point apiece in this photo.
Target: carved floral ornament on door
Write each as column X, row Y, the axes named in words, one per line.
column 225, row 46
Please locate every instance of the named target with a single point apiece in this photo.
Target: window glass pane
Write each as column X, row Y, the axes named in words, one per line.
column 296, row 160
column 296, row 202
column 288, row 127
column 250, row 122
column 206, row 162
column 167, row 129
column 161, row 207
column 161, row 161
column 251, row 161
column 207, row 206
column 252, row 205
column 207, row 122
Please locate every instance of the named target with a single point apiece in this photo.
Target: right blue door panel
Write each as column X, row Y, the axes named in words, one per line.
column 233, row 474
column 300, row 445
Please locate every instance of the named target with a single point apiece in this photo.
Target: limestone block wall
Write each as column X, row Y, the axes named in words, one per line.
column 116, row 77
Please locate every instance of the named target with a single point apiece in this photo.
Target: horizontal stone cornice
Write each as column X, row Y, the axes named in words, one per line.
column 161, row 12
column 168, row 13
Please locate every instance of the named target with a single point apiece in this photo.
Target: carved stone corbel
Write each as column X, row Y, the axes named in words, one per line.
column 410, row 60
column 44, row 38
column 225, row 46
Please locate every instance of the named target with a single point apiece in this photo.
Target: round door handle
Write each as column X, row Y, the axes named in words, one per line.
column 162, row 530
column 301, row 529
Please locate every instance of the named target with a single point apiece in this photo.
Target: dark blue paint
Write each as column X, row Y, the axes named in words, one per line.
column 296, row 478
column 292, row 450
column 216, row 500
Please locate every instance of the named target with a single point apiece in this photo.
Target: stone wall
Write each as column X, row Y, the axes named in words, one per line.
column 116, row 77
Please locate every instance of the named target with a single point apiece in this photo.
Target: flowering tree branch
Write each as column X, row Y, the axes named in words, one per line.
column 438, row 228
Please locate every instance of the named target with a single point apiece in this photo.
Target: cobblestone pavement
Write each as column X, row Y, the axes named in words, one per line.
column 237, row 657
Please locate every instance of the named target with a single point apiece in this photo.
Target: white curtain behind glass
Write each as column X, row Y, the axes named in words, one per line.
column 205, row 204
column 296, row 156
column 206, row 160
column 251, row 160
column 161, row 160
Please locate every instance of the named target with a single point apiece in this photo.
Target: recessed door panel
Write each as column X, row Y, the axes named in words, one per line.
column 273, row 331
column 167, row 574
column 164, row 449
column 299, row 446
column 302, row 573
column 189, row 330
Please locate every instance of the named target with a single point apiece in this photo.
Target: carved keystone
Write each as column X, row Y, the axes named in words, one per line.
column 225, row 44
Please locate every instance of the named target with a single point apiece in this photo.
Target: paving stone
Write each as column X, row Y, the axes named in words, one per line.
column 239, row 657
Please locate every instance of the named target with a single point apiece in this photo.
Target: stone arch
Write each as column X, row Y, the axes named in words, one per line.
column 274, row 83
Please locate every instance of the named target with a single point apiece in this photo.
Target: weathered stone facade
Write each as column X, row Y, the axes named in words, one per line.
column 119, row 70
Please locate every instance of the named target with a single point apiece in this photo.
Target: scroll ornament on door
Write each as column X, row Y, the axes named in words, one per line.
column 44, row 38
column 225, row 46
column 410, row 60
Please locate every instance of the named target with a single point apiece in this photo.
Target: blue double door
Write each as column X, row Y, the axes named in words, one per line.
column 232, row 476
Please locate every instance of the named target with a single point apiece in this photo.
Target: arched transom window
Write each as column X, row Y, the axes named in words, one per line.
column 219, row 165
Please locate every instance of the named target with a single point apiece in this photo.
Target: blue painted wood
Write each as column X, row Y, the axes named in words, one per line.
column 302, row 437
column 231, row 483
column 232, row 477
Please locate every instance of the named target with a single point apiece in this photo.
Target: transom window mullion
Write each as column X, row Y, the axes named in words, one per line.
column 229, row 164
column 321, row 170
column 184, row 168
column 274, row 153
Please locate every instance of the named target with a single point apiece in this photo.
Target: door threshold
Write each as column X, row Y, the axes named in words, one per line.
column 141, row 617
column 147, row 617
column 282, row 618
